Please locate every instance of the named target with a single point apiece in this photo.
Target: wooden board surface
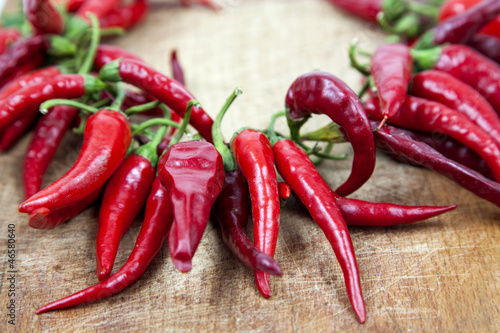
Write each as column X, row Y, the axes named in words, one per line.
column 442, row 275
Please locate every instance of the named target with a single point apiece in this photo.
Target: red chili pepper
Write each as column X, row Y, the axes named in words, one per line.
column 108, row 53
column 391, row 69
column 35, row 63
column 488, row 46
column 444, row 88
column 467, row 65
column 166, row 90
column 462, row 27
column 97, row 7
column 44, row 218
column 17, row 130
column 27, row 100
column 46, row 138
column 29, row 79
column 71, row 5
column 7, row 37
column 193, row 174
column 177, row 71
column 428, row 116
column 254, row 156
column 124, row 197
column 284, row 190
column 366, row 9
column 299, row 172
column 155, row 229
column 43, row 17
column 324, row 93
column 206, row 3
column 106, row 139
column 125, row 16
column 406, row 149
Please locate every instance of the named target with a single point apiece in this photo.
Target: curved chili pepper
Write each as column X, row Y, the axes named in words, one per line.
column 166, row 90
column 46, row 138
column 29, row 79
column 177, row 71
column 44, row 218
column 193, row 174
column 254, row 156
column 17, row 130
column 460, row 28
column 125, row 16
column 27, row 100
column 444, row 88
column 35, row 63
column 108, row 53
column 7, row 37
column 488, row 46
column 465, row 64
column 428, row 116
column 43, row 17
column 155, row 229
column 391, row 69
column 124, row 197
column 453, row 7
column 106, row 139
column 299, row 172
column 365, row 9
column 324, row 93
column 390, row 139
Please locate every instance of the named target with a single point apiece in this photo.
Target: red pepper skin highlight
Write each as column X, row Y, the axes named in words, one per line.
column 231, row 210
column 428, row 116
column 254, row 155
column 398, row 144
column 155, row 229
column 106, row 139
column 108, row 53
column 7, row 37
column 193, row 174
column 324, row 93
column 166, row 90
column 28, row 79
column 124, row 197
column 391, row 68
column 27, row 100
column 300, row 174
column 43, row 17
column 446, row 89
column 125, row 16
column 46, row 138
column 488, row 46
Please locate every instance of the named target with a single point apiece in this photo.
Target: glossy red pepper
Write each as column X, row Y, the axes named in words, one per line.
column 155, row 229
column 106, row 139
column 17, row 130
column 7, row 37
column 365, row 9
column 391, row 69
column 400, row 145
column 254, row 156
column 97, row 7
column 46, row 138
column 193, row 174
column 177, row 72
column 27, row 100
column 444, row 88
column 43, row 17
column 428, row 116
column 324, row 93
column 465, row 64
column 29, row 79
column 125, row 16
column 124, row 197
column 166, row 90
column 488, row 46
column 107, row 53
column 299, row 172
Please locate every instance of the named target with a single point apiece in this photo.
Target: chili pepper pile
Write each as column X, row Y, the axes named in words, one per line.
column 127, row 163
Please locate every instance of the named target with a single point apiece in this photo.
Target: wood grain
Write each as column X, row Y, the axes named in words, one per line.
column 442, row 275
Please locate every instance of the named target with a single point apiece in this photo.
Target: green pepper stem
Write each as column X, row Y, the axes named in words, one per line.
column 222, row 148
column 142, row 108
column 94, row 43
column 45, row 106
column 182, row 128
column 153, row 122
column 273, row 137
column 149, row 149
column 120, row 97
column 354, row 62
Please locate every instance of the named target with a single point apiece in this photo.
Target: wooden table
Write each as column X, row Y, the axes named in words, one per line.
column 442, row 275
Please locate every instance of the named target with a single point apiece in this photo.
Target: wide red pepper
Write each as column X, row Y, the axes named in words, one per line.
column 106, row 139
column 43, row 17
column 254, row 155
column 324, row 93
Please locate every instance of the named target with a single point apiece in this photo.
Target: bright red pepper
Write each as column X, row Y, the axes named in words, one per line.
column 254, row 155
column 391, row 69
column 444, row 88
column 97, row 7
column 166, row 90
column 155, row 229
column 193, row 174
column 7, row 37
column 299, row 172
column 124, row 197
column 43, row 17
column 125, row 16
column 366, row 9
column 29, row 79
column 107, row 53
column 324, row 93
column 106, row 139
column 17, row 130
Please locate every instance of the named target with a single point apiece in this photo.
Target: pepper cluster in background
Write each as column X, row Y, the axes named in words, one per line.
column 420, row 85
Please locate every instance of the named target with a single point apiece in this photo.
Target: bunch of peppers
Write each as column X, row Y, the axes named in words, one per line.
column 129, row 165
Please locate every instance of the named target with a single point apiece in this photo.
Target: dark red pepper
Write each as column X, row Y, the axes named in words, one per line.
column 324, row 93
column 43, row 17
column 155, row 229
column 177, row 72
column 17, row 130
column 106, row 139
column 488, row 46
